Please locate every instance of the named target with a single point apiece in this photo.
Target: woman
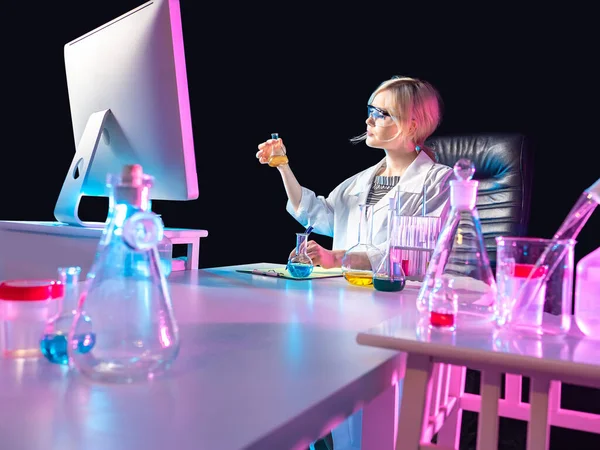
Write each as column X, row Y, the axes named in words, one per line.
column 402, row 113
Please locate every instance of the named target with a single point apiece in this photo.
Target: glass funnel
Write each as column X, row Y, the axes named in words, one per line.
column 389, row 276
column 361, row 261
column 460, row 253
column 300, row 265
column 127, row 297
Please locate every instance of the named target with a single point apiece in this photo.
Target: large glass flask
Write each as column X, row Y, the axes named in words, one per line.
column 127, row 298
column 53, row 343
column 460, row 253
column 300, row 265
column 360, row 261
column 389, row 276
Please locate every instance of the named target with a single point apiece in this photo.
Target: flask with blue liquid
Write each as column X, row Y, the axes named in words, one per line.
column 300, row 265
column 53, row 343
column 127, row 297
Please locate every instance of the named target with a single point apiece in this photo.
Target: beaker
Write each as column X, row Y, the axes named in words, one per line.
column 361, row 260
column 528, row 299
column 277, row 156
column 127, row 297
column 389, row 276
column 300, row 265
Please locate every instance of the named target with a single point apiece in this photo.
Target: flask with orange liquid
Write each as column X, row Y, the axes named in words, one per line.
column 277, row 156
column 361, row 260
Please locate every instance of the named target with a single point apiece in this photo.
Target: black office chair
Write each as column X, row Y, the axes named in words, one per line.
column 504, row 168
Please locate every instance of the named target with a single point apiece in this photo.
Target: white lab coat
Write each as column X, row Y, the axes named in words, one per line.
column 338, row 216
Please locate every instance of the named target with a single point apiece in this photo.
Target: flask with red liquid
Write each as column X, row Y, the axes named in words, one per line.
column 443, row 305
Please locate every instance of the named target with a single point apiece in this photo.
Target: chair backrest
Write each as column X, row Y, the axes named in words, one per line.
column 504, row 168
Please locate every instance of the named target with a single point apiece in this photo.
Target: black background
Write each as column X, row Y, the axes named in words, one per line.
column 306, row 71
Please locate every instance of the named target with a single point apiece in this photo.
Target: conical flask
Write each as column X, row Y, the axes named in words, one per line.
column 127, row 297
column 389, row 276
column 361, row 260
column 460, row 256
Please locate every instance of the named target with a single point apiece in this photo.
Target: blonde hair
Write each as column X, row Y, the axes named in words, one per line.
column 414, row 102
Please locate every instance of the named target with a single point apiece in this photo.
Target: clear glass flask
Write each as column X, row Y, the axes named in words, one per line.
column 53, row 343
column 460, row 253
column 300, row 265
column 361, row 260
column 127, row 297
column 389, row 276
column 443, row 305
column 277, row 156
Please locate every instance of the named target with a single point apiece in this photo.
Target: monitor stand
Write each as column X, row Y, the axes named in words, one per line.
column 67, row 205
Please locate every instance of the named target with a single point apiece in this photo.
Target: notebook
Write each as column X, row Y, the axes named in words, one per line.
column 281, row 272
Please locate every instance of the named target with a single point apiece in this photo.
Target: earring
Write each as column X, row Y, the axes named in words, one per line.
column 417, row 148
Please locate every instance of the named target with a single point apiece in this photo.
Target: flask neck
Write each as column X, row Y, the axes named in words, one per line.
column 301, row 239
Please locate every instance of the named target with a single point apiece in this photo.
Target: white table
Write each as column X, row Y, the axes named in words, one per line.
column 265, row 363
column 549, row 361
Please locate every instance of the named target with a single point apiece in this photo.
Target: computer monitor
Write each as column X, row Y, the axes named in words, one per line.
column 129, row 102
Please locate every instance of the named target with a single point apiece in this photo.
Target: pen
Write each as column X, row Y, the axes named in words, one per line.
column 266, row 273
column 309, row 230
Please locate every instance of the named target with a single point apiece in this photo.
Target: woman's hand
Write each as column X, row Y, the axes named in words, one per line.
column 321, row 256
column 266, row 148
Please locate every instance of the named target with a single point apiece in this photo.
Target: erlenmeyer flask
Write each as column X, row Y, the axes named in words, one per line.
column 127, row 297
column 277, row 156
column 389, row 276
column 361, row 260
column 460, row 254
column 300, row 265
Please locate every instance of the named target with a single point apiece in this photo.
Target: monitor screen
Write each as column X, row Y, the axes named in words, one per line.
column 129, row 103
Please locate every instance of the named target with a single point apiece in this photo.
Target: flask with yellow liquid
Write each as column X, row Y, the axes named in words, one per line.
column 277, row 156
column 361, row 260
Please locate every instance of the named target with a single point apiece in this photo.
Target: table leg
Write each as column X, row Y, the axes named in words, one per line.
column 538, row 428
column 416, row 394
column 380, row 420
column 487, row 427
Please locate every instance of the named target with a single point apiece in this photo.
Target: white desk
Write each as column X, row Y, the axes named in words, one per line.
column 37, row 249
column 549, row 361
column 265, row 363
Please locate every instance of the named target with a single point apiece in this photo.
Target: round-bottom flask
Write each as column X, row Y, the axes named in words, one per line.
column 53, row 343
column 300, row 265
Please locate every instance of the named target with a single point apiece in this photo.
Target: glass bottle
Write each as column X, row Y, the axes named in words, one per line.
column 460, row 253
column 277, row 155
column 389, row 276
column 54, row 339
column 300, row 265
column 443, row 305
column 127, row 297
column 360, row 261
column 587, row 286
